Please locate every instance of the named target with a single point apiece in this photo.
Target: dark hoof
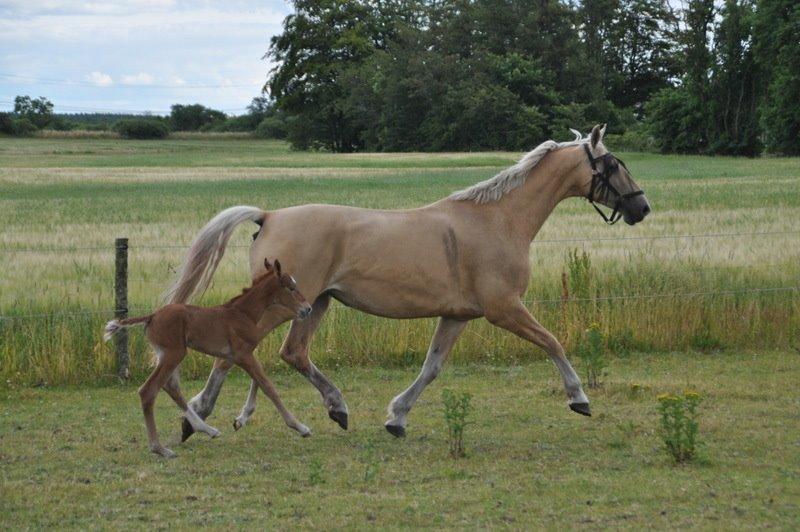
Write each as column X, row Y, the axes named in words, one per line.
column 338, row 417
column 397, row 431
column 581, row 408
column 187, row 430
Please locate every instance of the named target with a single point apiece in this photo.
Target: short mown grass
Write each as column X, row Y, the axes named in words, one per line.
column 76, row 457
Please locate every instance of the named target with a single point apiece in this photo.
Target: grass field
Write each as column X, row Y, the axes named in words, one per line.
column 530, row 462
column 82, row 193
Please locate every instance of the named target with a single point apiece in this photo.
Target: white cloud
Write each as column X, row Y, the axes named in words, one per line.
column 176, row 81
column 100, row 79
column 142, row 78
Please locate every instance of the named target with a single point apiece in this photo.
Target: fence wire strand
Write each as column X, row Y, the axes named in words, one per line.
column 535, row 242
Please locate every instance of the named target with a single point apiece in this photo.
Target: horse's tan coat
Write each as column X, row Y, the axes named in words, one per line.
column 454, row 259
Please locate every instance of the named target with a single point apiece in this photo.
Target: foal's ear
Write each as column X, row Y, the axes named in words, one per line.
column 267, row 265
column 277, row 267
column 597, row 134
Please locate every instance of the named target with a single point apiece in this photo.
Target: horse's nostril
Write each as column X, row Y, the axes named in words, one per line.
column 646, row 210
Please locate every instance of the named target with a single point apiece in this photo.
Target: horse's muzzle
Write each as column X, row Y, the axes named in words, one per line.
column 635, row 209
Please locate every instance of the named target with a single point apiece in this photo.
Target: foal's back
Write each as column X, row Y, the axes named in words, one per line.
column 178, row 326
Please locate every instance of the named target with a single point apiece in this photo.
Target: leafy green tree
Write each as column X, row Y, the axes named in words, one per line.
column 39, row 111
column 193, row 117
column 319, row 42
column 776, row 46
column 734, row 93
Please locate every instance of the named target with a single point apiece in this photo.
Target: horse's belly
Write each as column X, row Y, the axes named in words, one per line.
column 391, row 301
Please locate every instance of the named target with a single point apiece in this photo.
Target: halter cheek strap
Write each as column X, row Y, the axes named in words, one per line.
column 601, row 181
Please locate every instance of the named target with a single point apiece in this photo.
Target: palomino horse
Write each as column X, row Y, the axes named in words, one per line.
column 230, row 331
column 463, row 257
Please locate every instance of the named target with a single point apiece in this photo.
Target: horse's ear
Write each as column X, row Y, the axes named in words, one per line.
column 267, row 265
column 597, row 134
column 277, row 267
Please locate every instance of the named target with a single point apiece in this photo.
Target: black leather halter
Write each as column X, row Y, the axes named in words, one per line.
column 601, row 184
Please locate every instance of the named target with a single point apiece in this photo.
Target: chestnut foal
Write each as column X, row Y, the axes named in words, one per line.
column 230, row 331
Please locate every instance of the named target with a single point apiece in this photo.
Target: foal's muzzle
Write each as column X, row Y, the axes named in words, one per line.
column 635, row 209
column 304, row 312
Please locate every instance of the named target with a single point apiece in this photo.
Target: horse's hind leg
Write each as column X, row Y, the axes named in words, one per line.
column 295, row 352
column 203, row 402
column 447, row 332
column 173, row 388
column 249, row 363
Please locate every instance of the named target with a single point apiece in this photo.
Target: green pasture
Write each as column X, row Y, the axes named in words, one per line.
column 77, row 458
column 665, row 294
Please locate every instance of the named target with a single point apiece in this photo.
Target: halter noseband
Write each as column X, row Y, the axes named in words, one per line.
column 601, row 181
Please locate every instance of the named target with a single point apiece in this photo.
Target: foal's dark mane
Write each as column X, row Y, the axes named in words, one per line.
column 257, row 282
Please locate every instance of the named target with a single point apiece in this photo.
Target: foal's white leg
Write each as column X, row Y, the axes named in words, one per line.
column 203, row 402
column 173, row 388
column 447, row 332
column 248, row 408
column 198, row 424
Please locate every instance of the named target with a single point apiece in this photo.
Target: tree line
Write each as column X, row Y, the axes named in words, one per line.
column 431, row 75
column 30, row 115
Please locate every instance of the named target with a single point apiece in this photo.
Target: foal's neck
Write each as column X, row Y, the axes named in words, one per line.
column 255, row 300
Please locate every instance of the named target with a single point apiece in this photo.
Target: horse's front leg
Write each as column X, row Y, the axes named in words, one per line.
column 203, row 403
column 515, row 317
column 447, row 332
column 294, row 352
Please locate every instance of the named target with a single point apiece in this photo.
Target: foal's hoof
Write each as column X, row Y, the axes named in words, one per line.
column 581, row 408
column 398, row 431
column 163, row 452
column 339, row 417
column 186, row 430
column 237, row 424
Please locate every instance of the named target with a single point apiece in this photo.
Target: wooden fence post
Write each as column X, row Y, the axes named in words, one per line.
column 121, row 306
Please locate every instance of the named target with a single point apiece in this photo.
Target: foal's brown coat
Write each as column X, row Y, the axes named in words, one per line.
column 230, row 331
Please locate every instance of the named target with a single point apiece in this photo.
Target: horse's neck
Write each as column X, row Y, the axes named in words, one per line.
column 527, row 207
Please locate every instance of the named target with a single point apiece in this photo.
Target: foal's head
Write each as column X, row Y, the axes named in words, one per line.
column 285, row 295
column 609, row 182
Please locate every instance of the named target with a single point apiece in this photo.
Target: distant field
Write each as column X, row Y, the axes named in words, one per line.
column 83, row 193
column 76, row 458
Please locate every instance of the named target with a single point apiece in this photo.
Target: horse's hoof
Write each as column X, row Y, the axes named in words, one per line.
column 581, row 408
column 398, row 431
column 187, row 430
column 237, row 424
column 339, row 417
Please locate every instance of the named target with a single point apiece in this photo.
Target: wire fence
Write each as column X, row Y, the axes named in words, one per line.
column 120, row 308
column 109, row 249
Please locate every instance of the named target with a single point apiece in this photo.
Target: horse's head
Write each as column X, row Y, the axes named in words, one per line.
column 287, row 295
column 610, row 183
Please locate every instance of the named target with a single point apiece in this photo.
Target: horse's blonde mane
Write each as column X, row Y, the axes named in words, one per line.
column 498, row 186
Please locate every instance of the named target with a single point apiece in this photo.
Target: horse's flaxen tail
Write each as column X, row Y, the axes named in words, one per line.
column 114, row 326
column 206, row 251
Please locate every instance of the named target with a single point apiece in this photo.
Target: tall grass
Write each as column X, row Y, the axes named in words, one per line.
column 121, row 192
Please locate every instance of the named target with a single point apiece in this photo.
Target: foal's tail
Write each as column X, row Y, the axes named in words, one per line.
column 114, row 326
column 206, row 251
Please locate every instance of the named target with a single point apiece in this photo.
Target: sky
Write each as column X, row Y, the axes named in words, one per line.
column 136, row 55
